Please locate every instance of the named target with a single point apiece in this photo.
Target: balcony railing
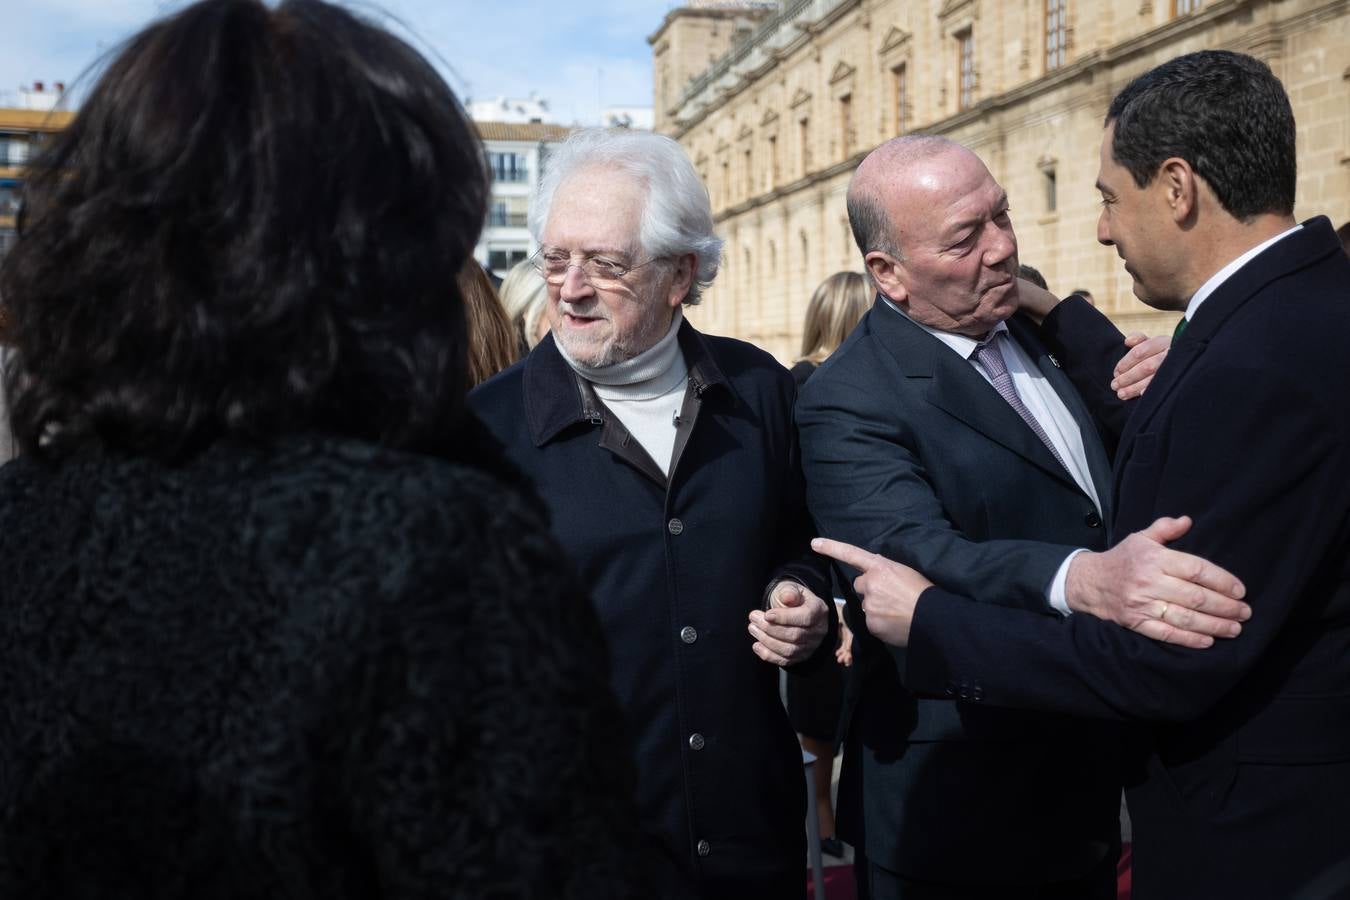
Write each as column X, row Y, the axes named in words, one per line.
column 498, row 219
column 789, row 11
column 510, row 176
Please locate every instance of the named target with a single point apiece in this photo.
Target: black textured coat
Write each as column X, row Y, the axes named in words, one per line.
column 673, row 570
column 323, row 670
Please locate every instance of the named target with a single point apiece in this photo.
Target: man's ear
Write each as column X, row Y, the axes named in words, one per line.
column 682, row 279
column 886, row 273
column 1180, row 187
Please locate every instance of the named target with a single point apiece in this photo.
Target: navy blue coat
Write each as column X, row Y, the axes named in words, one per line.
column 673, row 571
column 1247, row 772
column 910, row 453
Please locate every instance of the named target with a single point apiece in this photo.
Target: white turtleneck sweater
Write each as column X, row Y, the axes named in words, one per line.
column 645, row 392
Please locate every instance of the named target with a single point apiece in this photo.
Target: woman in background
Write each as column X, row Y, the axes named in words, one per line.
column 815, row 701
column 525, row 298
column 275, row 622
column 492, row 340
column 837, row 305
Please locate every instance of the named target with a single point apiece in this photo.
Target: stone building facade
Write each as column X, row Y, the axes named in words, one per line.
column 778, row 106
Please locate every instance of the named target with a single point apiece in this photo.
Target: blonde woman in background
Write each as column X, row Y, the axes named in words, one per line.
column 835, row 308
column 814, row 701
column 525, row 297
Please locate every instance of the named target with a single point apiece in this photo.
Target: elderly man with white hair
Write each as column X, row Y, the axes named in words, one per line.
column 668, row 461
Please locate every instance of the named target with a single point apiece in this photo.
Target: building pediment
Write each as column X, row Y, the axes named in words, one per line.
column 745, row 132
column 770, row 116
column 952, row 8
column 895, row 39
column 799, row 98
column 841, row 71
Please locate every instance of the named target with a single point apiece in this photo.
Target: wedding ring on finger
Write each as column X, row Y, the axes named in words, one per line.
column 1162, row 614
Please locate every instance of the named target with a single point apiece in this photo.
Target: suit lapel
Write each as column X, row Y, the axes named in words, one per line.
column 1180, row 357
column 1303, row 248
column 958, row 390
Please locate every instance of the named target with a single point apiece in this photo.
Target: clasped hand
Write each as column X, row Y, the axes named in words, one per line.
column 792, row 627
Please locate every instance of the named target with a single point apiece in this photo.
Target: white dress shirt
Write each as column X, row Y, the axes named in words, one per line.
column 1227, row 272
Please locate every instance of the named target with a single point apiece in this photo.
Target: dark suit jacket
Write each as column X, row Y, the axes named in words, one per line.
column 909, row 452
column 673, row 568
column 1245, row 429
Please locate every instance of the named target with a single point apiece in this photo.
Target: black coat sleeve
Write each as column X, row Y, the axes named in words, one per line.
column 1267, row 490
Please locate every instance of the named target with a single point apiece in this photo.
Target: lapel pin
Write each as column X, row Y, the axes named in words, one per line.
column 1054, row 361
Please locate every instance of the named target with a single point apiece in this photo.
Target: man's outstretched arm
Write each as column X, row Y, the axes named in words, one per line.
column 1139, row 584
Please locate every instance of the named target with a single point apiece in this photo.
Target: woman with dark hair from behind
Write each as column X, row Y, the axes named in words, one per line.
column 814, row 701
column 274, row 621
column 492, row 339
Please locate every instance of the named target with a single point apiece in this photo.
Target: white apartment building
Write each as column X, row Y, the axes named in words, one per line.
column 516, row 152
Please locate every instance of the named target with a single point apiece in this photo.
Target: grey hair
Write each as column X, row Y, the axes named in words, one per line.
column 866, row 212
column 871, row 228
column 676, row 216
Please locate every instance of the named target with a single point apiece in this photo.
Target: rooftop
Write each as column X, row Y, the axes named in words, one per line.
column 35, row 119
column 522, row 131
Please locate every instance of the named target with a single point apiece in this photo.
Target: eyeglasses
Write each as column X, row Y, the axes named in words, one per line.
column 601, row 271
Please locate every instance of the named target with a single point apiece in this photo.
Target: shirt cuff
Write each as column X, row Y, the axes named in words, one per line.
column 1058, row 593
column 768, row 591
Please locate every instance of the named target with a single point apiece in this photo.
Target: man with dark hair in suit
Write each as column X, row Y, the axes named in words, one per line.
column 943, row 433
column 1243, row 781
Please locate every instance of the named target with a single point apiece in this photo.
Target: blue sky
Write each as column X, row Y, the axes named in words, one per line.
column 580, row 56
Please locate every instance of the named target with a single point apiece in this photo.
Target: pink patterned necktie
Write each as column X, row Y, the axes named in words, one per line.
column 989, row 358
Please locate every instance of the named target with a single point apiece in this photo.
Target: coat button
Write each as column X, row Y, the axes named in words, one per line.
column 675, row 526
column 1092, row 520
column 688, row 634
column 703, row 848
column 696, row 741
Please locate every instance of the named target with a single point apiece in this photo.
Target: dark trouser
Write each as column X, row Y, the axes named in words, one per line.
column 787, row 886
column 877, row 883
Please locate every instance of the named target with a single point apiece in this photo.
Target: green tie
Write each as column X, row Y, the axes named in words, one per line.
column 1181, row 326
